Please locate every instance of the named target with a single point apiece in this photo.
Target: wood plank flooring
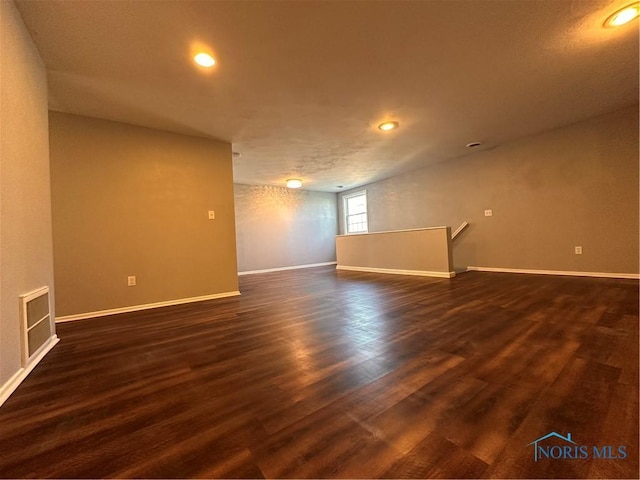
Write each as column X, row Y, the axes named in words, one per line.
column 316, row 373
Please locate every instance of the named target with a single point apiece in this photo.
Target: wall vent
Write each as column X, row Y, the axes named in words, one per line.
column 36, row 323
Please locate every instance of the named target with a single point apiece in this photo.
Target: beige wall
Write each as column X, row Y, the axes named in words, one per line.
column 576, row 185
column 26, row 259
column 280, row 227
column 425, row 251
column 133, row 201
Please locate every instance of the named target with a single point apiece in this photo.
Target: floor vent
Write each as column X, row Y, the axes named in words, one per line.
column 37, row 326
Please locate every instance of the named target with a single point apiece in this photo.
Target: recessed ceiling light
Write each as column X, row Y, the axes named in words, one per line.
column 294, row 183
column 388, row 126
column 623, row 16
column 204, row 60
column 473, row 144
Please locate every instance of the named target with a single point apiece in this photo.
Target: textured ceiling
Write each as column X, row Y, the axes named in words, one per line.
column 301, row 85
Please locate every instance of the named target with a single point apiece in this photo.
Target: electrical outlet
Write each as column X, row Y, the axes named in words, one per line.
column 212, row 215
column 131, row 281
column 488, row 213
column 578, row 250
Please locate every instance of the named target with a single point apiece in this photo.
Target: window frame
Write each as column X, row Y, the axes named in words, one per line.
column 345, row 211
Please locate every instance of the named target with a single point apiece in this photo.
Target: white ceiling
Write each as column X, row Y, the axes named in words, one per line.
column 301, row 85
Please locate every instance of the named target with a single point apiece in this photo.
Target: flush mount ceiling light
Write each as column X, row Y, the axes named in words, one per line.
column 204, row 60
column 473, row 144
column 386, row 126
column 294, row 183
column 623, row 16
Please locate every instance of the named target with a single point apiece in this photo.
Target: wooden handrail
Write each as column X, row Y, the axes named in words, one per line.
column 464, row 225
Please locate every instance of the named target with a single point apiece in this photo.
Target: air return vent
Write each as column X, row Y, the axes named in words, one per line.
column 37, row 326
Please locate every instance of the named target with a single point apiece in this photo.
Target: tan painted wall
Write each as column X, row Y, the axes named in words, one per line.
column 26, row 256
column 576, row 185
column 134, row 201
column 423, row 250
column 281, row 227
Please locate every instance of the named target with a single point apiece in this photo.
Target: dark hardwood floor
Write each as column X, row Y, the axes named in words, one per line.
column 318, row 373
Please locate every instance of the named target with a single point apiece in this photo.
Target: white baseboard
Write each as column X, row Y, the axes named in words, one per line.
column 280, row 269
column 14, row 382
column 393, row 271
column 555, row 272
column 136, row 308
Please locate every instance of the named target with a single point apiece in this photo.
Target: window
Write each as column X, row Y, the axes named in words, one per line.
column 355, row 212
